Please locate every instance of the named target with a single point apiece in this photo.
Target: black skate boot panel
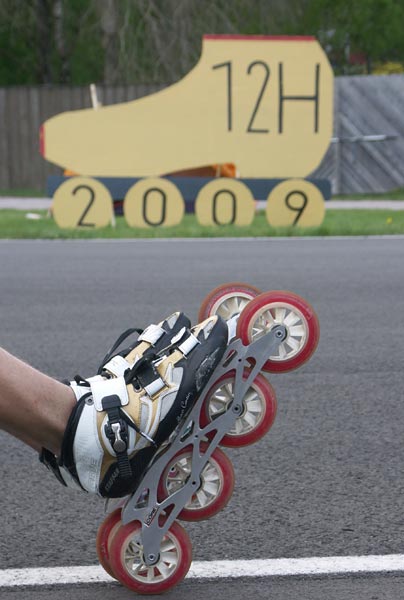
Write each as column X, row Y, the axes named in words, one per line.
column 113, row 486
column 198, row 367
column 66, row 459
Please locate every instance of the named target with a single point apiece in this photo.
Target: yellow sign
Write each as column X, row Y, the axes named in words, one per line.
column 153, row 202
column 295, row 202
column 82, row 202
column 225, row 201
column 262, row 103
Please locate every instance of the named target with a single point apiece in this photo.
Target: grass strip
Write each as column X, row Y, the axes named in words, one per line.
column 14, row 224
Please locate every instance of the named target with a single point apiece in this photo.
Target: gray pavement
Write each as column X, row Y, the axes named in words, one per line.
column 25, row 203
column 326, row 481
column 45, row 203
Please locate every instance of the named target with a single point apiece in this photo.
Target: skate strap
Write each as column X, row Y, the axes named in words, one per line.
column 109, row 387
column 116, row 345
column 117, row 366
column 151, row 334
column 188, row 344
column 82, row 387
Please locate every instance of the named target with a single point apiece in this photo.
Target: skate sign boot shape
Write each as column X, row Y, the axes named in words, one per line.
column 190, row 478
column 261, row 103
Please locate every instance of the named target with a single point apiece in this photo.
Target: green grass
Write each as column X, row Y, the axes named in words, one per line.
column 14, row 224
column 23, row 193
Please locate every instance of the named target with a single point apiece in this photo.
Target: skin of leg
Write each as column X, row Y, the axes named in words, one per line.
column 33, row 406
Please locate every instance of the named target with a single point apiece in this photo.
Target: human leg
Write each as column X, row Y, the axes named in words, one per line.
column 34, row 407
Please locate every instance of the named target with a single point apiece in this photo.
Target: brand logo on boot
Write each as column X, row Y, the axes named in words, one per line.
column 184, row 406
column 114, row 476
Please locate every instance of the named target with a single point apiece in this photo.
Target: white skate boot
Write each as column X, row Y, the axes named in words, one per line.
column 119, row 422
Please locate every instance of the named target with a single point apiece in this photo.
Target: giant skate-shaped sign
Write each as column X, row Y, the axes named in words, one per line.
column 264, row 104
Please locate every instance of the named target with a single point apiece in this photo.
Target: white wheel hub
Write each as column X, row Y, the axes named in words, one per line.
column 253, row 408
column 170, row 555
column 280, row 313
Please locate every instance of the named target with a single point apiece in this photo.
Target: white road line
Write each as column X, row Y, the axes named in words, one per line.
column 330, row 565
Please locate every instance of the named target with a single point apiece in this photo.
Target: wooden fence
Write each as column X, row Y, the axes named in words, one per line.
column 367, row 154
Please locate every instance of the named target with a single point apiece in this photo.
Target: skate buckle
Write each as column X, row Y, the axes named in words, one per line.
column 151, row 334
column 188, row 344
column 154, row 388
column 119, row 445
column 117, row 366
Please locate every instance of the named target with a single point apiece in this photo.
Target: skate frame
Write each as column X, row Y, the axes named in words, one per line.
column 143, row 506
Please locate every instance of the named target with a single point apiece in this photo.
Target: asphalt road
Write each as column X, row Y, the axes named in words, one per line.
column 326, row 481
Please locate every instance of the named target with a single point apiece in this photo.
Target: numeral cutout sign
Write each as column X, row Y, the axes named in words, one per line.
column 295, row 203
column 153, row 202
column 82, row 203
column 85, row 203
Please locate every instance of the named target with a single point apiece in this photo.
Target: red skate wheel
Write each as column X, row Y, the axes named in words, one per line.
column 105, row 534
column 257, row 417
column 215, row 489
column 287, row 309
column 227, row 300
column 127, row 559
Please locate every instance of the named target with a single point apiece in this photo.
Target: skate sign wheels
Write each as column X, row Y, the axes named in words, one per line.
column 261, row 103
column 296, row 203
column 85, row 202
column 142, row 543
column 89, row 206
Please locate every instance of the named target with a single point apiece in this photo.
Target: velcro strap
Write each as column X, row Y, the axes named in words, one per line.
column 83, row 390
column 117, row 366
column 109, row 387
column 125, row 470
column 188, row 344
column 151, row 334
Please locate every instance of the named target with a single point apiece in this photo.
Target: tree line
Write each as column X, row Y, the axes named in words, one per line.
column 78, row 42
